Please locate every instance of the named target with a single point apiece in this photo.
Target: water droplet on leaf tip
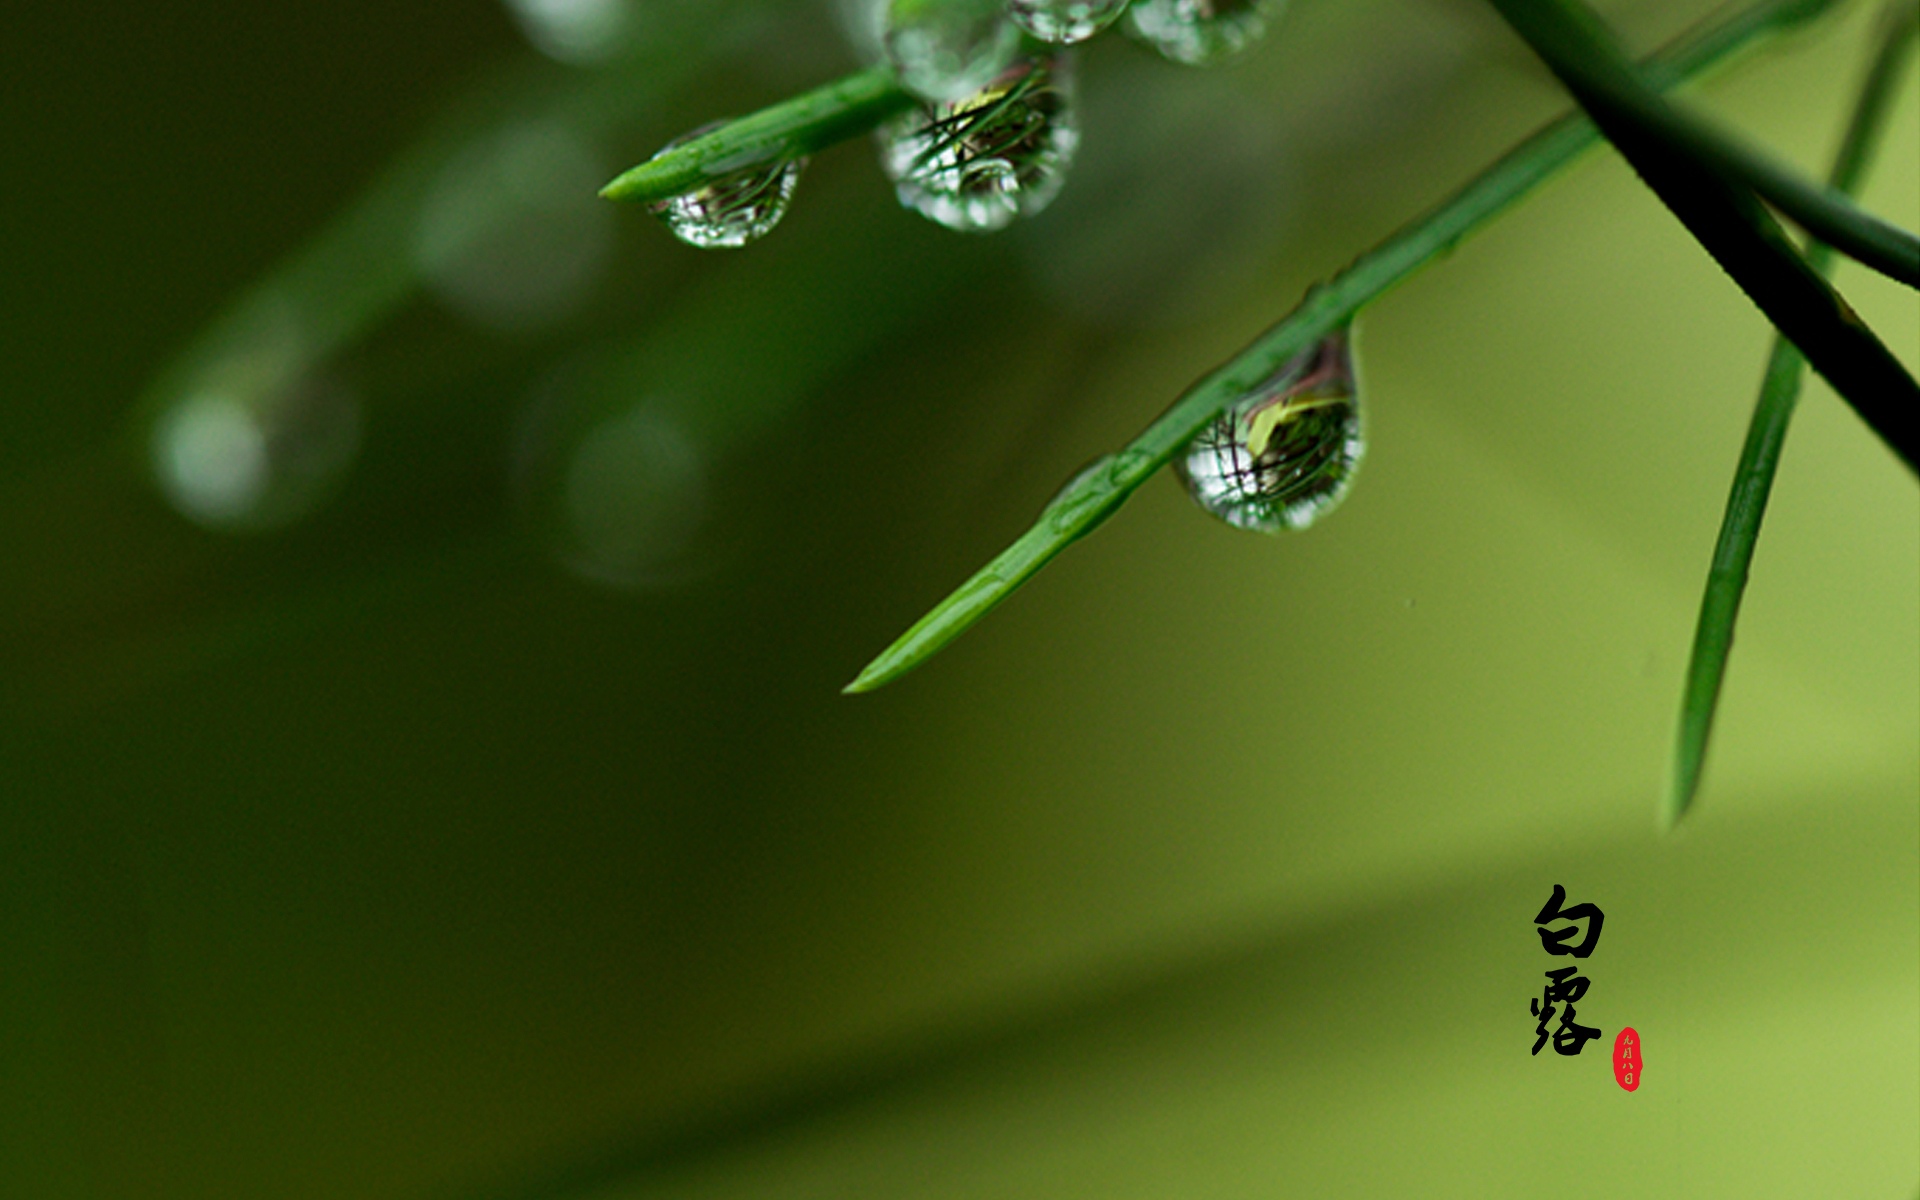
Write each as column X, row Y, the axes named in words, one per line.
column 1201, row 32
column 1065, row 21
column 946, row 50
column 737, row 207
column 511, row 236
column 978, row 164
column 1284, row 455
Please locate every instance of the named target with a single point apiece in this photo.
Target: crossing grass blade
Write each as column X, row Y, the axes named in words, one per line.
column 1097, row 493
column 1766, row 437
column 1727, row 219
column 1826, row 213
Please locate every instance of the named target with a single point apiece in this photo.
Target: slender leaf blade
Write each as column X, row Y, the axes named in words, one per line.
column 1729, row 222
column 1766, row 438
column 798, row 126
column 1093, row 497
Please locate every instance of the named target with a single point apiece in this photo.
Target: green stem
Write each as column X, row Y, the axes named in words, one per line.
column 802, row 125
column 1730, row 223
column 1825, row 212
column 1760, row 457
column 1097, row 493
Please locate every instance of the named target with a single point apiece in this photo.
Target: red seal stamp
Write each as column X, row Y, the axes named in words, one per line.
column 1627, row 1063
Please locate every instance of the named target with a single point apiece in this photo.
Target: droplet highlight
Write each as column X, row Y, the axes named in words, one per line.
column 1285, row 455
column 946, row 50
column 737, row 207
column 1003, row 153
column 1202, row 32
column 1065, row 21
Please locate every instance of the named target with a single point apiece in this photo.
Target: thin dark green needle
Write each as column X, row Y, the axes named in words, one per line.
column 1766, row 437
column 791, row 129
column 1728, row 221
column 1097, row 494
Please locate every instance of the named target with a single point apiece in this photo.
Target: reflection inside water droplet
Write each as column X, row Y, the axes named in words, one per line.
column 1201, row 32
column 1000, row 154
column 946, row 50
column 1065, row 21
column 735, row 208
column 1285, row 455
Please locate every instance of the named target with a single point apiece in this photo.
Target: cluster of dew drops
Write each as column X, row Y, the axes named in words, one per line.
column 990, row 142
column 995, row 130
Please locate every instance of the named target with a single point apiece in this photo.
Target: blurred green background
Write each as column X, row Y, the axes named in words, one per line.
column 446, row 791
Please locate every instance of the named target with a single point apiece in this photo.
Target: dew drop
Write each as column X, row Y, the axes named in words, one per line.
column 1090, row 488
column 1285, row 455
column 947, row 50
column 1065, row 21
column 1201, row 32
column 978, row 164
column 737, row 207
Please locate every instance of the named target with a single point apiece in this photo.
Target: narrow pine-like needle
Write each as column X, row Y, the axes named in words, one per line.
column 1827, row 213
column 791, row 129
column 1095, row 495
column 1727, row 219
column 1766, row 436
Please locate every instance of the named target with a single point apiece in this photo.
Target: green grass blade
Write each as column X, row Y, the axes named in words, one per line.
column 1766, row 436
column 1729, row 221
column 1097, row 493
column 1826, row 213
column 801, row 125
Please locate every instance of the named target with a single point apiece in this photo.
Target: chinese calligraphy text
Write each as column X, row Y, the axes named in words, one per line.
column 1565, row 986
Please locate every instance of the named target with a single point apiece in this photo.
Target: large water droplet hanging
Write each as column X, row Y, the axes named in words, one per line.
column 1065, row 21
column 734, row 208
column 946, row 50
column 1201, row 32
column 1285, row 455
column 1002, row 153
